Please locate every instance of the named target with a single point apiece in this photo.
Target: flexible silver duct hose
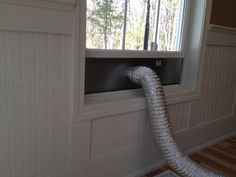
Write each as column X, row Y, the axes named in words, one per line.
column 162, row 130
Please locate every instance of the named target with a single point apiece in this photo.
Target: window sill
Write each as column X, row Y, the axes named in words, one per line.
column 96, row 53
column 121, row 102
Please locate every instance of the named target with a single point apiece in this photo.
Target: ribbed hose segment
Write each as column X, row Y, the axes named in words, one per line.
column 158, row 113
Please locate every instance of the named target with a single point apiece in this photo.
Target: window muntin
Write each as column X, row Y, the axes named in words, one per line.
column 121, row 24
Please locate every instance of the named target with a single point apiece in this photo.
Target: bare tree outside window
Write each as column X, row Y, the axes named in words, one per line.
column 104, row 21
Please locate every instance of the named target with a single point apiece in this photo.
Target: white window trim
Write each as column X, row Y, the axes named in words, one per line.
column 95, row 106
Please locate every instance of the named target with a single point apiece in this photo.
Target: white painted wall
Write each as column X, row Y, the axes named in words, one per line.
column 37, row 135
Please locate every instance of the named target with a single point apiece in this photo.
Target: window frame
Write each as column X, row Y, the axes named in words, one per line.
column 126, row 53
column 94, row 106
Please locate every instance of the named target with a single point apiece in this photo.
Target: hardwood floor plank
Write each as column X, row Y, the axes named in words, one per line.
column 224, row 154
column 233, row 142
column 219, row 157
column 229, row 150
column 213, row 165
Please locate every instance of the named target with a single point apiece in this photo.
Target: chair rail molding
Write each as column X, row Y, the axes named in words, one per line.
column 221, row 35
column 65, row 5
column 25, row 18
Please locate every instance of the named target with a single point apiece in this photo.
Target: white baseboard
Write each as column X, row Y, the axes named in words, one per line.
column 147, row 170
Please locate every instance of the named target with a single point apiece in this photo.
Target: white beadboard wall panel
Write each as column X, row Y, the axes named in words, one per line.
column 35, row 102
column 66, row 107
column 43, row 119
column 14, row 67
column 29, row 75
column 179, row 116
column 218, row 85
column 147, row 130
column 80, row 144
column 4, row 113
column 194, row 116
column 113, row 134
column 52, row 142
column 54, row 100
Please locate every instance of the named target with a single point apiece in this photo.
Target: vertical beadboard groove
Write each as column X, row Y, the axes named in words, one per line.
column 188, row 116
column 9, row 106
column 204, row 83
column 208, row 74
column 24, row 134
column 233, row 82
column 29, row 75
column 211, row 83
column 65, row 137
column 61, row 98
column 215, row 61
column 37, row 102
column 44, row 132
column 90, row 140
column 223, row 82
column 49, row 99
column 15, row 81
column 22, row 103
column 221, row 65
column 58, row 107
column 226, row 86
column 217, row 78
column 230, row 86
column 179, row 115
column 5, row 161
column 219, row 56
column 55, row 100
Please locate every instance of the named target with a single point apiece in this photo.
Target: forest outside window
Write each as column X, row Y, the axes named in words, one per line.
column 153, row 25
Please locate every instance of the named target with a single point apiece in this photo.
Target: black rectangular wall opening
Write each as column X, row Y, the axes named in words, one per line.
column 104, row 75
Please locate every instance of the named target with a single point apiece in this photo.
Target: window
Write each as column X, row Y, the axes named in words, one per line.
column 154, row 25
column 193, row 35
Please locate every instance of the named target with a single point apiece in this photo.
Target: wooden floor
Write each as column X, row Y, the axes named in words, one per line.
column 220, row 157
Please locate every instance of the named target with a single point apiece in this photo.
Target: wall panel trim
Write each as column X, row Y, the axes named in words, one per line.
column 220, row 35
column 37, row 20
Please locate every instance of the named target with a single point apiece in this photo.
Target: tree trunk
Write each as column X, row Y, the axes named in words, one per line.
column 147, row 26
column 105, row 39
column 106, row 25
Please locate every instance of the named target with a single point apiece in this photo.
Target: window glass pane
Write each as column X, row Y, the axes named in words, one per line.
column 135, row 24
column 141, row 16
column 104, row 24
column 170, row 25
